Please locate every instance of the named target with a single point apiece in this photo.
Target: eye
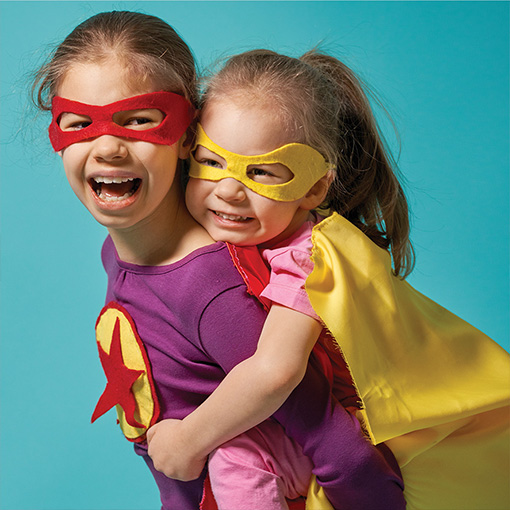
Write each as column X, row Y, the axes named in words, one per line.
column 270, row 174
column 139, row 119
column 80, row 125
column 73, row 122
column 210, row 162
column 260, row 172
column 206, row 157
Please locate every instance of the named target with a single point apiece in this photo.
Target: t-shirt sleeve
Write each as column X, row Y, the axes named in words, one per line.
column 289, row 270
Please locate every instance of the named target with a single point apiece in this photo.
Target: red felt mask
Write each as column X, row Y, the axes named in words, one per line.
column 178, row 114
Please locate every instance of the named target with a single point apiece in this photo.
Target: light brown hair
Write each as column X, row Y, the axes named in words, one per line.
column 322, row 103
column 149, row 47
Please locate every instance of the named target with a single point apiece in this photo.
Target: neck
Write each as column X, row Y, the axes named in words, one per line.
column 167, row 236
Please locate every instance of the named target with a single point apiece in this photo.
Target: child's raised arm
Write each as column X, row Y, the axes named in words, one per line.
column 251, row 392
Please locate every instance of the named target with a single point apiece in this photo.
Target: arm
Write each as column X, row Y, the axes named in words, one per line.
column 251, row 392
column 353, row 472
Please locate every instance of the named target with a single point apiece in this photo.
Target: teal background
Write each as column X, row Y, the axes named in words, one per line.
column 441, row 69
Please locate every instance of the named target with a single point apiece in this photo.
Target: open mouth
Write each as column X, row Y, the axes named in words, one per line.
column 114, row 189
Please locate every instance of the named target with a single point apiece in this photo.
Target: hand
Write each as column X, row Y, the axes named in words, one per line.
column 170, row 449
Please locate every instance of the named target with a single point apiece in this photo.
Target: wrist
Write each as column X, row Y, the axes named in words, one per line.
column 194, row 436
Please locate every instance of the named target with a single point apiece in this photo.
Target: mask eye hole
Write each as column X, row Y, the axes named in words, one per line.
column 207, row 157
column 73, row 122
column 139, row 120
column 270, row 174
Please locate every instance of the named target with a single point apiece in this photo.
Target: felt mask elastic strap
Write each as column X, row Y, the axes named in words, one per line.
column 306, row 164
column 178, row 114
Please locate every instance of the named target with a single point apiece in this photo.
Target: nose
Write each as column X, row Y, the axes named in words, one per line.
column 109, row 148
column 230, row 190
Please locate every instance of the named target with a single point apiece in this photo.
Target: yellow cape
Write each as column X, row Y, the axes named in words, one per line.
column 433, row 387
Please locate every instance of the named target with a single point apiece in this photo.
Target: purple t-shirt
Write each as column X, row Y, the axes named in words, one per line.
column 197, row 322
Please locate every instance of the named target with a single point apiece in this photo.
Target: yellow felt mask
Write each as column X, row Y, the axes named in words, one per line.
column 306, row 164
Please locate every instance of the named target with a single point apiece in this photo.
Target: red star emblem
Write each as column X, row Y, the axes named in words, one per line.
column 120, row 380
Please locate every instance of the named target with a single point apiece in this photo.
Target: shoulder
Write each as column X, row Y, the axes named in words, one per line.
column 212, row 265
column 204, row 276
column 294, row 255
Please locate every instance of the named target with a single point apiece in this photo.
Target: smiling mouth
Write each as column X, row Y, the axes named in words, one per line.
column 114, row 189
column 231, row 217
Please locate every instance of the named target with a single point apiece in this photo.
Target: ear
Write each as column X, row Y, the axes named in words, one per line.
column 184, row 147
column 188, row 139
column 317, row 192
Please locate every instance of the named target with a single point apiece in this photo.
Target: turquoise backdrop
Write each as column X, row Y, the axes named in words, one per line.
column 442, row 71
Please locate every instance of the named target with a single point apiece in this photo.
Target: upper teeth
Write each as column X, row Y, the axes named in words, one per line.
column 113, row 180
column 231, row 217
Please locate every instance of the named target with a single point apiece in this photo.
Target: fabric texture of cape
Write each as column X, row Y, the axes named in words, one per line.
column 433, row 387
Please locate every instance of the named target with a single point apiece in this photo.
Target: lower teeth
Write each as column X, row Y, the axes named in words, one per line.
column 106, row 193
column 110, row 198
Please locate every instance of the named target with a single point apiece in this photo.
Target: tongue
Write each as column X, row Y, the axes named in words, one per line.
column 116, row 190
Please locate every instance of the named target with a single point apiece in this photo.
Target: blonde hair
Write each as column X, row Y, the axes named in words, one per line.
column 149, row 47
column 323, row 104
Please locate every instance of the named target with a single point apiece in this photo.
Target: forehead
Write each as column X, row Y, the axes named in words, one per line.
column 245, row 127
column 100, row 83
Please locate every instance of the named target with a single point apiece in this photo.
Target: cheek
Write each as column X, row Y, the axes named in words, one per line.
column 196, row 191
column 153, row 156
column 276, row 216
column 157, row 164
column 267, row 208
column 73, row 163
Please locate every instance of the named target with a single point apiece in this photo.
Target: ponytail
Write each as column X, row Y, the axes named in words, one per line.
column 365, row 189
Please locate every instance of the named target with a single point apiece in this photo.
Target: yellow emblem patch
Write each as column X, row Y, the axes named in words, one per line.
column 130, row 386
